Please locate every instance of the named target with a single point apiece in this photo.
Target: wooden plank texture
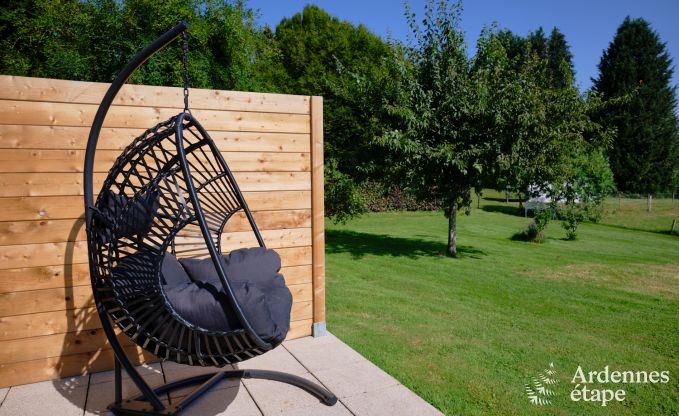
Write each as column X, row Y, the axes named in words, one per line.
column 71, row 206
column 48, row 325
column 78, row 297
column 57, row 231
column 56, row 184
column 67, row 275
column 49, row 161
column 36, row 113
column 75, row 138
column 67, row 365
column 317, row 222
column 93, row 339
column 56, row 90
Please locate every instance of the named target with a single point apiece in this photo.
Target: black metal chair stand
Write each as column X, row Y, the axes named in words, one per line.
column 171, row 193
column 137, row 405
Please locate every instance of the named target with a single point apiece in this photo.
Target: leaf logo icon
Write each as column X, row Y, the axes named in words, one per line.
column 537, row 391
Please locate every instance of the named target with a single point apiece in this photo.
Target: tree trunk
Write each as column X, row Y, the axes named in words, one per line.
column 452, row 230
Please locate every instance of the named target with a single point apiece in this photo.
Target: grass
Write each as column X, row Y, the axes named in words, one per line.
column 467, row 334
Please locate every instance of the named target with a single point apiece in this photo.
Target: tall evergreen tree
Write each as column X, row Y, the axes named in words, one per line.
column 645, row 154
column 560, row 60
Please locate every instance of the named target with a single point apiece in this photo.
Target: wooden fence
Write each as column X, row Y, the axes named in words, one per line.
column 48, row 326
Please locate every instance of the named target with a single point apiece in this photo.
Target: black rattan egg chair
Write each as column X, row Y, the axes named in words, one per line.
column 156, row 262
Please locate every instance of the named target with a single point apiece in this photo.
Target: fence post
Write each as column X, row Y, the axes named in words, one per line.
column 649, row 203
column 317, row 220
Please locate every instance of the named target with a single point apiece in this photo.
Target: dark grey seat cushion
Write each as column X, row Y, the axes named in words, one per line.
column 196, row 294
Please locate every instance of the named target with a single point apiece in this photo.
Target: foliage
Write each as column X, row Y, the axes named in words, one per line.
column 542, row 218
column 92, row 40
column 436, row 150
column 645, row 154
column 343, row 199
column 391, row 197
column 571, row 216
column 350, row 67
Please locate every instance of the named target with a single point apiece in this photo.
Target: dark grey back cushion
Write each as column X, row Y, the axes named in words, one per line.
column 137, row 220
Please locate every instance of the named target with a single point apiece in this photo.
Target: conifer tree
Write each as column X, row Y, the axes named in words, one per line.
column 645, row 154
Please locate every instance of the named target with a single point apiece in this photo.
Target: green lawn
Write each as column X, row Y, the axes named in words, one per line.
column 467, row 334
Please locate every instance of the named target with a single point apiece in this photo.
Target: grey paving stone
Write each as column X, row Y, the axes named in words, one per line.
column 224, row 402
column 3, row 393
column 322, row 353
column 395, row 400
column 355, row 378
column 274, row 397
column 59, row 397
column 174, row 372
column 103, row 394
column 279, row 359
column 107, row 376
column 319, row 409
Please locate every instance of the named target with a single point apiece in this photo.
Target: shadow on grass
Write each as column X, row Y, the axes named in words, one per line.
column 514, row 200
column 645, row 230
column 359, row 244
column 504, row 209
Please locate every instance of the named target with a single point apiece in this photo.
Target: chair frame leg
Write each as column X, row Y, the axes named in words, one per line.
column 139, row 405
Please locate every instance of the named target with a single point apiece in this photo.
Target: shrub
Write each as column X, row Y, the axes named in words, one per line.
column 535, row 231
column 379, row 197
column 343, row 199
column 572, row 214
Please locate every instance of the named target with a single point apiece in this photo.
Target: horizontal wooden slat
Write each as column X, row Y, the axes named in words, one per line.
column 300, row 329
column 69, row 365
column 55, row 184
column 45, row 300
column 69, row 207
column 57, row 231
column 77, row 342
column 48, row 323
column 76, row 320
column 51, row 254
column 50, row 161
column 69, row 343
column 36, row 113
column 295, row 275
column 44, row 89
column 48, row 277
column 57, row 299
column 75, row 138
column 301, row 311
column 292, row 237
column 45, row 277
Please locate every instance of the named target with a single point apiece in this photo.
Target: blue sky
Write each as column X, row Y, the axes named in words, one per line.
column 589, row 26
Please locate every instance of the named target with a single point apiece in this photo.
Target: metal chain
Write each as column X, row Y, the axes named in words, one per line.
column 185, row 51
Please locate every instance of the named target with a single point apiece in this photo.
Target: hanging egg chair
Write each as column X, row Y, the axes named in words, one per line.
column 157, row 265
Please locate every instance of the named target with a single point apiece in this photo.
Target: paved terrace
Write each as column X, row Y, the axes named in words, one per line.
column 362, row 388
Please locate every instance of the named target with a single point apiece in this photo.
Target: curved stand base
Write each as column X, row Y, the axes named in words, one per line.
column 137, row 405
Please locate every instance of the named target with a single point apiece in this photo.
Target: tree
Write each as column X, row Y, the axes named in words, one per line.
column 560, row 60
column 645, row 154
column 437, row 151
column 92, row 40
column 348, row 66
